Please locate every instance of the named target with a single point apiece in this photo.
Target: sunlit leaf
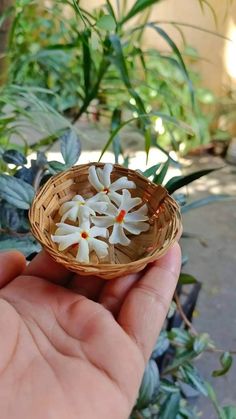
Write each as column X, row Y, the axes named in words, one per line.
column 107, row 23
column 178, row 182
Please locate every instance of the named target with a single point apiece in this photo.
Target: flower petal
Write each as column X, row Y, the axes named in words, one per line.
column 64, row 228
column 104, row 174
column 139, row 215
column 118, row 235
column 78, row 198
column 67, row 240
column 111, row 210
column 99, row 207
column 122, row 183
column 115, row 197
column 98, row 231
column 71, row 214
column 93, row 179
column 127, row 203
column 136, row 228
column 66, row 207
column 103, row 221
column 83, row 251
column 100, row 247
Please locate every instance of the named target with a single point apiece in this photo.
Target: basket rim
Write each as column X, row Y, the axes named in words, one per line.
column 57, row 255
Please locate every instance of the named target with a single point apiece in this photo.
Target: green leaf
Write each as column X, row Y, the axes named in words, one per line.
column 205, row 201
column 226, row 361
column 70, row 147
column 161, row 346
column 26, row 245
column 148, row 139
column 159, row 178
column 151, row 171
column 176, row 51
column 56, row 167
column 165, row 117
column 170, row 407
column 190, row 375
column 16, row 192
column 150, row 385
column 115, row 123
column 185, row 279
column 14, row 157
column 178, row 182
column 107, row 23
column 228, row 411
column 138, row 7
column 201, row 342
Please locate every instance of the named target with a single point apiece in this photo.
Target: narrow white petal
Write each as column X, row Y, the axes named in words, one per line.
column 111, row 210
column 136, row 228
column 115, row 197
column 101, row 221
column 99, row 207
column 127, row 203
column 71, row 214
column 93, row 179
column 118, row 235
column 99, row 197
column 78, row 198
column 105, row 174
column 85, row 211
column 122, row 183
column 66, row 207
column 64, row 228
column 98, row 231
column 139, row 215
column 100, row 247
column 85, row 225
column 83, row 251
column 66, row 241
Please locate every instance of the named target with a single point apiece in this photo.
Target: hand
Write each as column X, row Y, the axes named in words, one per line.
column 75, row 347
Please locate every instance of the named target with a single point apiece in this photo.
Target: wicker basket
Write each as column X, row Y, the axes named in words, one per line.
column 163, row 211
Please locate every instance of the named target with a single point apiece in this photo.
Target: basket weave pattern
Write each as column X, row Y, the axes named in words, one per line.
column 163, row 211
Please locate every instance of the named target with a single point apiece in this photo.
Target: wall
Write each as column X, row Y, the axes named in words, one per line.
column 218, row 63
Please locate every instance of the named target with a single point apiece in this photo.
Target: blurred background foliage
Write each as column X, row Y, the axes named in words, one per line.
column 96, row 64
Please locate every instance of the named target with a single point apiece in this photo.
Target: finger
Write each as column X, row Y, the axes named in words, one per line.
column 144, row 310
column 12, row 264
column 89, row 286
column 115, row 291
column 45, row 267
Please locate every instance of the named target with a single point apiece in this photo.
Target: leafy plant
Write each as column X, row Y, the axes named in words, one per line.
column 89, row 56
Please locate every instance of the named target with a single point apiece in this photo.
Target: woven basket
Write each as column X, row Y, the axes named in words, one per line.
column 163, row 211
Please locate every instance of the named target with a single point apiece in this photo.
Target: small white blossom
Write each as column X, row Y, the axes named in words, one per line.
column 122, row 219
column 100, row 179
column 80, row 209
column 67, row 235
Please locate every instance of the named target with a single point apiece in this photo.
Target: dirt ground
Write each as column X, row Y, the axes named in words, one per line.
column 212, row 259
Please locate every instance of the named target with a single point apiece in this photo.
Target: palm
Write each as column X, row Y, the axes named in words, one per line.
column 66, row 356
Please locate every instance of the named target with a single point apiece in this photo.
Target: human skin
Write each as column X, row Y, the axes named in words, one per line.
column 76, row 347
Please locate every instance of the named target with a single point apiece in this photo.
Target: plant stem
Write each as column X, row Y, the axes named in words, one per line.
column 93, row 93
column 184, row 317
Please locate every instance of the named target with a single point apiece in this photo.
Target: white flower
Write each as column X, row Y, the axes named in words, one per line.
column 100, row 179
column 66, row 235
column 80, row 209
column 121, row 219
